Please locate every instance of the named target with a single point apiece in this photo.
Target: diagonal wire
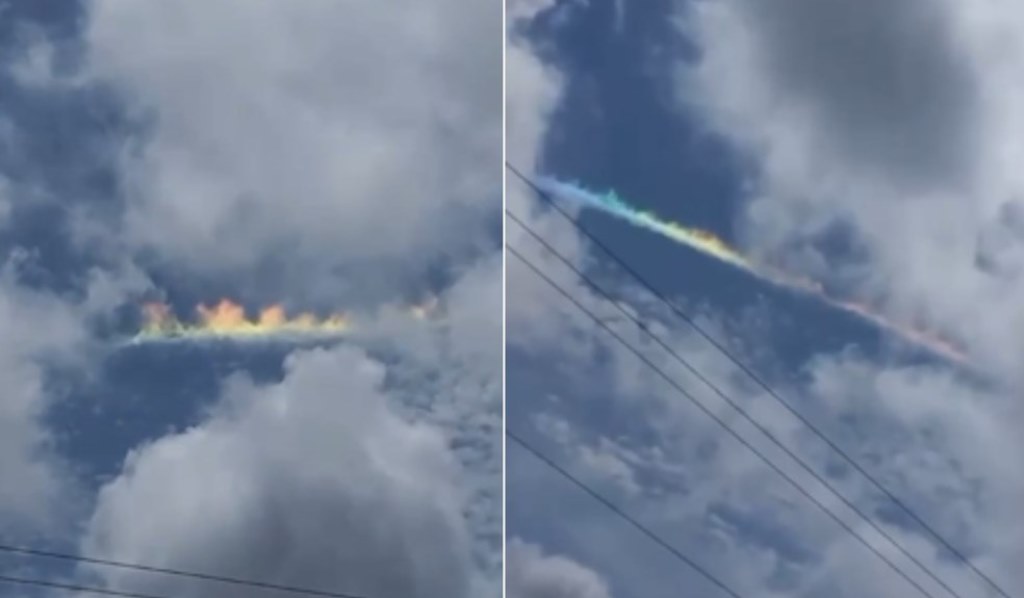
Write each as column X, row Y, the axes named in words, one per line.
column 689, row 320
column 33, row 552
column 72, row 587
column 721, row 423
column 730, row 401
column 643, row 529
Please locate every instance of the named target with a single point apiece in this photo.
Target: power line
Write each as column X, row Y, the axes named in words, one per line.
column 73, row 588
column 718, row 420
column 173, row 572
column 730, row 401
column 758, row 380
column 621, row 513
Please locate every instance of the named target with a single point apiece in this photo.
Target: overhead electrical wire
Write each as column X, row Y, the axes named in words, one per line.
column 56, row 585
column 759, row 381
column 722, row 423
column 643, row 529
column 729, row 400
column 711, row 245
column 33, row 552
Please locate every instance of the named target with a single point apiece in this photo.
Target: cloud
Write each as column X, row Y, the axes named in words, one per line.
column 43, row 332
column 320, row 156
column 448, row 372
column 898, row 122
column 33, row 476
column 848, row 121
column 902, row 122
column 522, row 11
column 885, row 87
column 5, row 201
column 533, row 574
column 330, row 135
column 316, row 482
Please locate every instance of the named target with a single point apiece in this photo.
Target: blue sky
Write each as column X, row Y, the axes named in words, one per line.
column 718, row 115
column 269, row 153
column 618, row 115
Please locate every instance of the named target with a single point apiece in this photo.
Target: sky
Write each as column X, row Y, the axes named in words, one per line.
column 870, row 147
column 313, row 155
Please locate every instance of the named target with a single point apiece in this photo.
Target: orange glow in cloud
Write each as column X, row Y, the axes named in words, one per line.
column 229, row 319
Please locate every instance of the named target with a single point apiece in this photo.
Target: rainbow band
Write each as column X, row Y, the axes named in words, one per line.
column 227, row 319
column 709, row 244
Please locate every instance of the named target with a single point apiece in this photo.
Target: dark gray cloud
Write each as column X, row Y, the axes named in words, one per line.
column 884, row 85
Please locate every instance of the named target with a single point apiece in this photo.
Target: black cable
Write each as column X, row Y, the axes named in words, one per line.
column 174, row 572
column 621, row 513
column 759, row 381
column 718, row 420
column 72, row 587
column 731, row 402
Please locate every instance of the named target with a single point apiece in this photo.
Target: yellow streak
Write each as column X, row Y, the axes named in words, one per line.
column 425, row 310
column 227, row 318
column 701, row 240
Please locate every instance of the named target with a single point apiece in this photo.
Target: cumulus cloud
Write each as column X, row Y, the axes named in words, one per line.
column 32, row 474
column 898, row 121
column 885, row 87
column 895, row 123
column 448, row 372
column 314, row 154
column 327, row 154
column 533, row 574
column 43, row 331
column 315, row 482
column 332, row 135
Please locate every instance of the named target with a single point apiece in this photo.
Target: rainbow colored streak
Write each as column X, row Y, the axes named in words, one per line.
column 709, row 244
column 227, row 319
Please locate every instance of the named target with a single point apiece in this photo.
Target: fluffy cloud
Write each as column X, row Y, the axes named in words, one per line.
column 898, row 121
column 533, row 574
column 316, row 154
column 883, row 88
column 315, row 482
column 897, row 124
column 901, row 122
column 32, row 477
column 329, row 155
column 330, row 135
column 43, row 331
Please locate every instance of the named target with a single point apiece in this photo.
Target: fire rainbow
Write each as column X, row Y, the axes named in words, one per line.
column 228, row 320
column 712, row 246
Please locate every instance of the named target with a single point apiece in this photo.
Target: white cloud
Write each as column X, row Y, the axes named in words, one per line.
column 303, row 138
column 909, row 182
column 845, row 115
column 32, row 478
column 315, row 482
column 42, row 330
column 522, row 11
column 307, row 138
column 533, row 574
column 314, row 130
column 448, row 372
column 899, row 120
